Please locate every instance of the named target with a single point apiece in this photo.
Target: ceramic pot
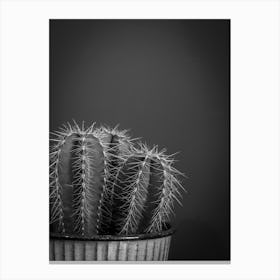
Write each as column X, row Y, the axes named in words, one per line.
column 139, row 247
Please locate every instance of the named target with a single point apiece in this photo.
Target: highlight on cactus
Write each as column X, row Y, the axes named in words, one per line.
column 103, row 182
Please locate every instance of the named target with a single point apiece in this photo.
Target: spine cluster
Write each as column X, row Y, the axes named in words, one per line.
column 102, row 182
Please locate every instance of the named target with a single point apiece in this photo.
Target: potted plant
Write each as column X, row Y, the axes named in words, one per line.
column 110, row 198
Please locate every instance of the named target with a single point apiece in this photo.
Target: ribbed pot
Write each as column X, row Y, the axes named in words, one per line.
column 141, row 247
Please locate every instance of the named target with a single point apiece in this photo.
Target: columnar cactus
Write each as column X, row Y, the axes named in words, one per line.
column 101, row 183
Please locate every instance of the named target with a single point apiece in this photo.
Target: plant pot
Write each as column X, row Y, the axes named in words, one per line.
column 140, row 247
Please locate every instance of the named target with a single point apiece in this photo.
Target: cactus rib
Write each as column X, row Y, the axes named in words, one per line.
column 56, row 210
column 168, row 191
column 135, row 194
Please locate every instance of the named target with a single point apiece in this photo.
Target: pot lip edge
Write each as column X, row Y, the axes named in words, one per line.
column 108, row 237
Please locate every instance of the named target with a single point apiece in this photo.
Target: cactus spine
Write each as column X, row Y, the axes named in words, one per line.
column 101, row 183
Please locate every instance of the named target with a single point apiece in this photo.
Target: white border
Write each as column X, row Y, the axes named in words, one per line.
column 255, row 138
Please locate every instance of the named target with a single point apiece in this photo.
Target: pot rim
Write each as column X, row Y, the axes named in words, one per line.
column 108, row 237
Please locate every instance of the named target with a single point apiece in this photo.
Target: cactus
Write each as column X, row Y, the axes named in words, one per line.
column 147, row 186
column 103, row 183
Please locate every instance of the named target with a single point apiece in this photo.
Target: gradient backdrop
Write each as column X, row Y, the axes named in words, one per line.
column 169, row 82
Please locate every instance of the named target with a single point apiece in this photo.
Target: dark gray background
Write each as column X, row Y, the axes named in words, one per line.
column 169, row 82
